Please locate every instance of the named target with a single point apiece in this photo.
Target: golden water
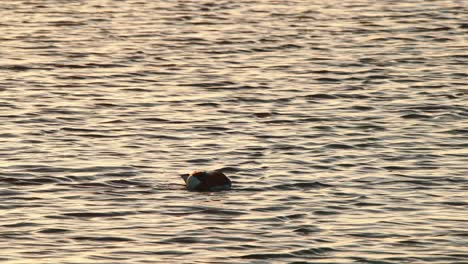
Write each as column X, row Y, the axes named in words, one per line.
column 343, row 125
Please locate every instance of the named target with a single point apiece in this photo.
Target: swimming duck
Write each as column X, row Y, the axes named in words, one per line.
column 207, row 181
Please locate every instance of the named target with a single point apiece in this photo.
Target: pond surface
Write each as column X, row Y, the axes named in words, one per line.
column 342, row 124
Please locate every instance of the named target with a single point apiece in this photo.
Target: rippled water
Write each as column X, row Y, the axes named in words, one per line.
column 343, row 125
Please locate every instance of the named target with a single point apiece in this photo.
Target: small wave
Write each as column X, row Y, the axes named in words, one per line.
column 103, row 239
column 16, row 67
column 267, row 256
column 97, row 214
column 339, row 146
column 320, row 96
column 301, row 185
column 415, row 116
column 54, row 231
column 31, row 181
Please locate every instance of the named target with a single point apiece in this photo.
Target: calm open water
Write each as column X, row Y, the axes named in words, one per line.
column 343, row 125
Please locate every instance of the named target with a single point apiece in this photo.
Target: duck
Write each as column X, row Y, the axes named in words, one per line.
column 206, row 181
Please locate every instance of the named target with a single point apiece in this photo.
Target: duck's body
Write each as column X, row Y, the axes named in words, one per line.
column 207, row 181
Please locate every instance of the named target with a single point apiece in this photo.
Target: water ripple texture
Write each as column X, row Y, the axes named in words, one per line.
column 342, row 124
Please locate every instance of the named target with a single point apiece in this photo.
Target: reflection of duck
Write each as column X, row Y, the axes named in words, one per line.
column 207, row 181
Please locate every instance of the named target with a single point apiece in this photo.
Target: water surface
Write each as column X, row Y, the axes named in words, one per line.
column 343, row 125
